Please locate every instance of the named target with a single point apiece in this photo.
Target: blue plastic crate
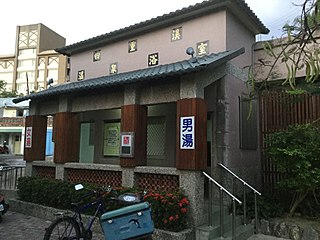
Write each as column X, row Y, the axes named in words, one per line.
column 127, row 222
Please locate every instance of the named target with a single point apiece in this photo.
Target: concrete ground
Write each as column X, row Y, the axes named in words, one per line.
column 264, row 237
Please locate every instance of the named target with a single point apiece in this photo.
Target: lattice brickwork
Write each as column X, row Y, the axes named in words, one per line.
column 99, row 177
column 45, row 172
column 157, row 182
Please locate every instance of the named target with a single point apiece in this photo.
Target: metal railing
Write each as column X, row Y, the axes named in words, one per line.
column 234, row 200
column 9, row 177
column 245, row 185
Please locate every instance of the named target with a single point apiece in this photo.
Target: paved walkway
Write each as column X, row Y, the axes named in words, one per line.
column 17, row 226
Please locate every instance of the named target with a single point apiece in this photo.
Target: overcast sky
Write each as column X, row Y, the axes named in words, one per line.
column 77, row 20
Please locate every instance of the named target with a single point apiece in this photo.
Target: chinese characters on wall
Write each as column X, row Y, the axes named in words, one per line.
column 97, row 55
column 187, row 137
column 202, row 48
column 153, row 59
column 28, row 137
column 113, row 68
column 176, row 34
column 132, row 46
column 81, row 75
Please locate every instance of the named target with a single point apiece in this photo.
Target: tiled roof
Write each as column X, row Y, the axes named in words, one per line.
column 147, row 74
column 238, row 7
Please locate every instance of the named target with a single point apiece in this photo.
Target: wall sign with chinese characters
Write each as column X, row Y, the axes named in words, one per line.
column 113, row 68
column 153, row 59
column 97, row 55
column 81, row 75
column 187, row 136
column 132, row 46
column 202, row 48
column 28, row 143
column 176, row 34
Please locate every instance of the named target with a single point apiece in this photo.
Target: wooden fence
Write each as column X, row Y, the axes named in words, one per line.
column 278, row 110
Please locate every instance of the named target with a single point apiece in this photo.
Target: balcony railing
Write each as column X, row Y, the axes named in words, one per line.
column 12, row 121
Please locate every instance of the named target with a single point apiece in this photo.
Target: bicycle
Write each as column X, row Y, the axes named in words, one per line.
column 122, row 223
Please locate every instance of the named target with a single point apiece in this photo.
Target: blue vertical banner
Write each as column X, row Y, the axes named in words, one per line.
column 187, row 137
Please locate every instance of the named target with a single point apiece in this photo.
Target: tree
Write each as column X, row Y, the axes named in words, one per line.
column 296, row 154
column 4, row 93
column 298, row 49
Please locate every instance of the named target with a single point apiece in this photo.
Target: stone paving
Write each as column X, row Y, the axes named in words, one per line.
column 17, row 226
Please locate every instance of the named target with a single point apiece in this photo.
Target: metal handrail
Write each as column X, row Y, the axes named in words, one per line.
column 222, row 188
column 240, row 179
column 234, row 200
column 245, row 184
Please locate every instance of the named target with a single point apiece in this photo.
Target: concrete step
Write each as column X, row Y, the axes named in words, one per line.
column 206, row 232
column 243, row 232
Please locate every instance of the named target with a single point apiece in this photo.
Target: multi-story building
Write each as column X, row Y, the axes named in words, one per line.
column 32, row 67
column 34, row 62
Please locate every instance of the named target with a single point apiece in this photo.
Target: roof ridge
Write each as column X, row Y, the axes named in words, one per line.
column 175, row 16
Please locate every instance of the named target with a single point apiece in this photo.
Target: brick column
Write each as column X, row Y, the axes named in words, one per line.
column 134, row 119
column 193, row 159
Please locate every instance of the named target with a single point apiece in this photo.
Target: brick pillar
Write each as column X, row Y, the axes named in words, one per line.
column 66, row 131
column 35, row 138
column 193, row 159
column 134, row 119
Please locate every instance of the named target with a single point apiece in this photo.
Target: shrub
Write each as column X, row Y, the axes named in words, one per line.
column 296, row 154
column 170, row 210
column 49, row 192
column 267, row 207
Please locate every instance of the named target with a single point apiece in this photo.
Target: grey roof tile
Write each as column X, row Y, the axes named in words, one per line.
column 147, row 74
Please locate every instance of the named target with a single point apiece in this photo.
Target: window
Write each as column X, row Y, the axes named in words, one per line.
column 27, row 63
column 248, row 124
column 53, row 73
column 111, row 139
column 24, row 75
column 19, row 113
column 27, row 52
column 156, row 137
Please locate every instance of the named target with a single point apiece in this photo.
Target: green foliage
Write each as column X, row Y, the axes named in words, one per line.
column 4, row 93
column 310, row 207
column 48, row 192
column 169, row 210
column 296, row 154
column 267, row 207
column 298, row 51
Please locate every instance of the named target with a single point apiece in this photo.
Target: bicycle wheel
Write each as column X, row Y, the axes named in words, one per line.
column 65, row 228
